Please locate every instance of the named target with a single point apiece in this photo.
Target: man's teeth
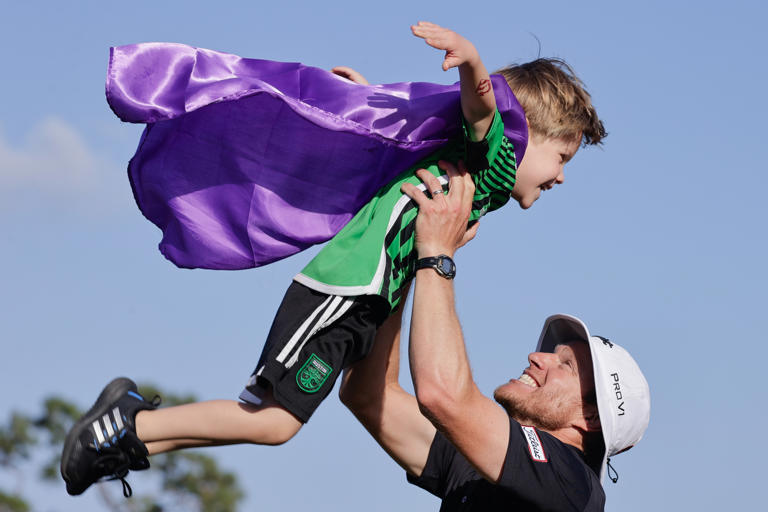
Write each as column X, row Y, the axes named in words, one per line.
column 527, row 380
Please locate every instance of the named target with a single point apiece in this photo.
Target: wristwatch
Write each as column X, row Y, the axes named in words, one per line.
column 442, row 264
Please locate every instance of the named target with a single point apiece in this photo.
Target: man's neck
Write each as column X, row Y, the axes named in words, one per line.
column 569, row 436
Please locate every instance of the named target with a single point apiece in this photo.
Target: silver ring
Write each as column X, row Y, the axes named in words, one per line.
column 437, row 192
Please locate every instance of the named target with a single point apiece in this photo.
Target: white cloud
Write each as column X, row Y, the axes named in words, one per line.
column 53, row 162
column 52, row 154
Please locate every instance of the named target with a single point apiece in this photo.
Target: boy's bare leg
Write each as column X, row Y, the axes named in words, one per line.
column 216, row 422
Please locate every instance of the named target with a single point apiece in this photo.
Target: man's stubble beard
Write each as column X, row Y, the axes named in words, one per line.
column 545, row 411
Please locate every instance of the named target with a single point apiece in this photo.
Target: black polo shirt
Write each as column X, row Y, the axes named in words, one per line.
column 540, row 473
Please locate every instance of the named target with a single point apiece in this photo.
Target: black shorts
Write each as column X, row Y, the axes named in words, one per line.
column 313, row 337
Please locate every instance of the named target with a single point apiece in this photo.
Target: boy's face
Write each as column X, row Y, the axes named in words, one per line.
column 542, row 167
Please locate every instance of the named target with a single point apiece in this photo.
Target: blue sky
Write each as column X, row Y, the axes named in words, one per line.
column 657, row 241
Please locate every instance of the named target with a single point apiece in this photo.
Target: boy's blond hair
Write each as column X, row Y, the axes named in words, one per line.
column 555, row 101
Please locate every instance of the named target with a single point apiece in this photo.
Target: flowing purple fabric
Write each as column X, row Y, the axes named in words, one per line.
column 245, row 161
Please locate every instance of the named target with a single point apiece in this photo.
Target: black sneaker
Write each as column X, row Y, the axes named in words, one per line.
column 103, row 443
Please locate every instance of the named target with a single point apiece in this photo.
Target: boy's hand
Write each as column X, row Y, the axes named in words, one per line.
column 458, row 50
column 478, row 103
column 350, row 74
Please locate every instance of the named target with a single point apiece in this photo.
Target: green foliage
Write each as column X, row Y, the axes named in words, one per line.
column 12, row 503
column 15, row 440
column 189, row 480
column 58, row 416
column 188, row 473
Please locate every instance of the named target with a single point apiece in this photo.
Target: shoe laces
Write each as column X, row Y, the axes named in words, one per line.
column 127, row 491
column 114, row 466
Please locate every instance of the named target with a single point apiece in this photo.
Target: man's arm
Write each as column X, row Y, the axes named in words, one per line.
column 478, row 103
column 445, row 389
column 371, row 390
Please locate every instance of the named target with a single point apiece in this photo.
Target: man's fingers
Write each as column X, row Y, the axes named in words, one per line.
column 441, row 224
column 414, row 193
column 449, row 168
column 432, row 183
column 469, row 234
column 350, row 74
column 460, row 182
column 466, row 178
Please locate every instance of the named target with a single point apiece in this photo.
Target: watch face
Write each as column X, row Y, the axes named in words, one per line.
column 447, row 267
column 442, row 264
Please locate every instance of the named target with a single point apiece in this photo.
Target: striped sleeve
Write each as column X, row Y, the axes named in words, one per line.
column 492, row 164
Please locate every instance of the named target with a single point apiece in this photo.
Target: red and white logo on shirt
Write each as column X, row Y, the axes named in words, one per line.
column 534, row 444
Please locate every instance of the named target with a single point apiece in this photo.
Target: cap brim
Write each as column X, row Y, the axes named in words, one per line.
column 561, row 329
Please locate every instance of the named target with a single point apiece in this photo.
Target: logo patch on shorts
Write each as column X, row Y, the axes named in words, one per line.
column 313, row 374
column 534, row 444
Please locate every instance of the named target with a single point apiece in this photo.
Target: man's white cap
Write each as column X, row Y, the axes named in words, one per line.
column 623, row 397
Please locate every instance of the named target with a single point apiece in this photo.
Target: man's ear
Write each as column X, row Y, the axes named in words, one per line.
column 592, row 418
column 588, row 420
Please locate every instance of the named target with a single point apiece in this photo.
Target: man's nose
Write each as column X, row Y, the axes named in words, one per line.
column 539, row 359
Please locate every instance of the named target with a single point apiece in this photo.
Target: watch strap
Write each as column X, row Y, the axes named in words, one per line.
column 442, row 264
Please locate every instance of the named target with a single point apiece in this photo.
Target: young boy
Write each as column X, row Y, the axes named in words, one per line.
column 331, row 311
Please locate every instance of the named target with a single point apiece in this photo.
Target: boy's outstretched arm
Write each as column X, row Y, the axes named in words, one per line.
column 478, row 103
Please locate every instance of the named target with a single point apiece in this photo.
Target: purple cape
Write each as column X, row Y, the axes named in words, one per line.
column 245, row 161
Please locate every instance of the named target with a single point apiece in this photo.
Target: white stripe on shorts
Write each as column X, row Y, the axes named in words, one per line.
column 345, row 305
column 301, row 330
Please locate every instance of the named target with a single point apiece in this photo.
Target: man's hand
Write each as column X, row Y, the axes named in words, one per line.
column 441, row 225
column 458, row 50
column 350, row 74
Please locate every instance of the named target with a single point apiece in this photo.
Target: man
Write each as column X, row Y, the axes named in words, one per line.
column 581, row 399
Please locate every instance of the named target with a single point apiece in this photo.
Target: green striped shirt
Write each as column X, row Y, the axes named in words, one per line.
column 374, row 254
